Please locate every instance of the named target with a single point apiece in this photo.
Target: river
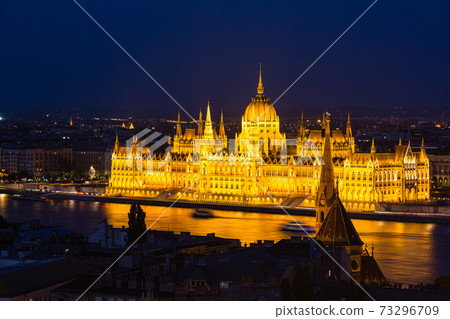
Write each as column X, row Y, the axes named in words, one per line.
column 408, row 253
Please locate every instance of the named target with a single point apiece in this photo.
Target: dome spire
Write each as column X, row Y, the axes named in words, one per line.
column 208, row 113
column 260, row 89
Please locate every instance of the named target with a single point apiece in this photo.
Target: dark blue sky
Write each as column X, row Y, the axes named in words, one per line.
column 55, row 58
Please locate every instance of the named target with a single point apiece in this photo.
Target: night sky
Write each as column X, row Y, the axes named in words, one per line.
column 54, row 58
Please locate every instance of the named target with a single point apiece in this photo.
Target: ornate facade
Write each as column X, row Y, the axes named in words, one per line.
column 260, row 165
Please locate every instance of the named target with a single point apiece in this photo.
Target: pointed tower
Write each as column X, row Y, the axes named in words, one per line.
column 200, row 125
column 337, row 230
column 260, row 88
column 222, row 126
column 348, row 128
column 373, row 150
column 208, row 124
column 179, row 133
column 302, row 132
column 116, row 145
column 324, row 121
column 325, row 193
column 349, row 137
column 301, row 136
column 400, row 141
column 133, row 146
column 333, row 225
column 423, row 153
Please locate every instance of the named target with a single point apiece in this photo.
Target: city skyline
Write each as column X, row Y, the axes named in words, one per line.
column 66, row 61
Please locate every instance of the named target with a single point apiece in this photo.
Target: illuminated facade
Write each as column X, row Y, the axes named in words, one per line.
column 260, row 166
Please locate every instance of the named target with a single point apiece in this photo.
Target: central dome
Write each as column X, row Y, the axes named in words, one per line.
column 260, row 109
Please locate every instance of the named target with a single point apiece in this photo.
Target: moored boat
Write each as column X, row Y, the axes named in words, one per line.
column 31, row 197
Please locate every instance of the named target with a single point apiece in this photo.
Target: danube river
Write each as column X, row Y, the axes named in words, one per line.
column 406, row 252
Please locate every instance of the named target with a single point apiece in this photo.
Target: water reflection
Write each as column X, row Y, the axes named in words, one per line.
column 406, row 252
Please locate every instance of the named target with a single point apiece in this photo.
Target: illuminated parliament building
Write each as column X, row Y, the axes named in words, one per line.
column 261, row 166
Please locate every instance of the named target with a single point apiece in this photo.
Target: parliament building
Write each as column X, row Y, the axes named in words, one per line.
column 260, row 166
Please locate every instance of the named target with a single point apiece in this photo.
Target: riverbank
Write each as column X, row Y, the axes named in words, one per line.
column 413, row 217
column 298, row 211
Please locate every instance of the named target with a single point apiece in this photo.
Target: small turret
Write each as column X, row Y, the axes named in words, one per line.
column 222, row 126
column 423, row 153
column 324, row 121
column 208, row 133
column 302, row 133
column 116, row 145
column 373, row 149
column 348, row 129
column 200, row 125
column 178, row 132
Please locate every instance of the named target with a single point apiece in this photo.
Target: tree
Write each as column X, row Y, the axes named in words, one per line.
column 136, row 222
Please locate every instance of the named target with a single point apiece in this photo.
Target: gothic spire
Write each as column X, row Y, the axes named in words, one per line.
column 178, row 132
column 302, row 128
column 208, row 124
column 200, row 124
column 373, row 149
column 222, row 126
column 116, row 145
column 423, row 153
column 348, row 129
column 260, row 89
column 324, row 121
column 208, row 114
column 326, row 191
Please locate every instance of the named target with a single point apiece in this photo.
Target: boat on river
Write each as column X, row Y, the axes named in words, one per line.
column 203, row 213
column 297, row 227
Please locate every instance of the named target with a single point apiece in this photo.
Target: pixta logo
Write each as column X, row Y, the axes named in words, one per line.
column 135, row 151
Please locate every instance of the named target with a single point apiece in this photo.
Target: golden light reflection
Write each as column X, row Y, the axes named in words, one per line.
column 403, row 250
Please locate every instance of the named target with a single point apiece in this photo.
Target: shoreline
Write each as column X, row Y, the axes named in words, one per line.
column 304, row 211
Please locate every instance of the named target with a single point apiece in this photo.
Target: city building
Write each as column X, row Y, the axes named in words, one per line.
column 106, row 236
column 260, row 165
column 440, row 170
column 35, row 281
column 41, row 163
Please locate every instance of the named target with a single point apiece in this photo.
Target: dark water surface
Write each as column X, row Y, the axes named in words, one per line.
column 406, row 252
